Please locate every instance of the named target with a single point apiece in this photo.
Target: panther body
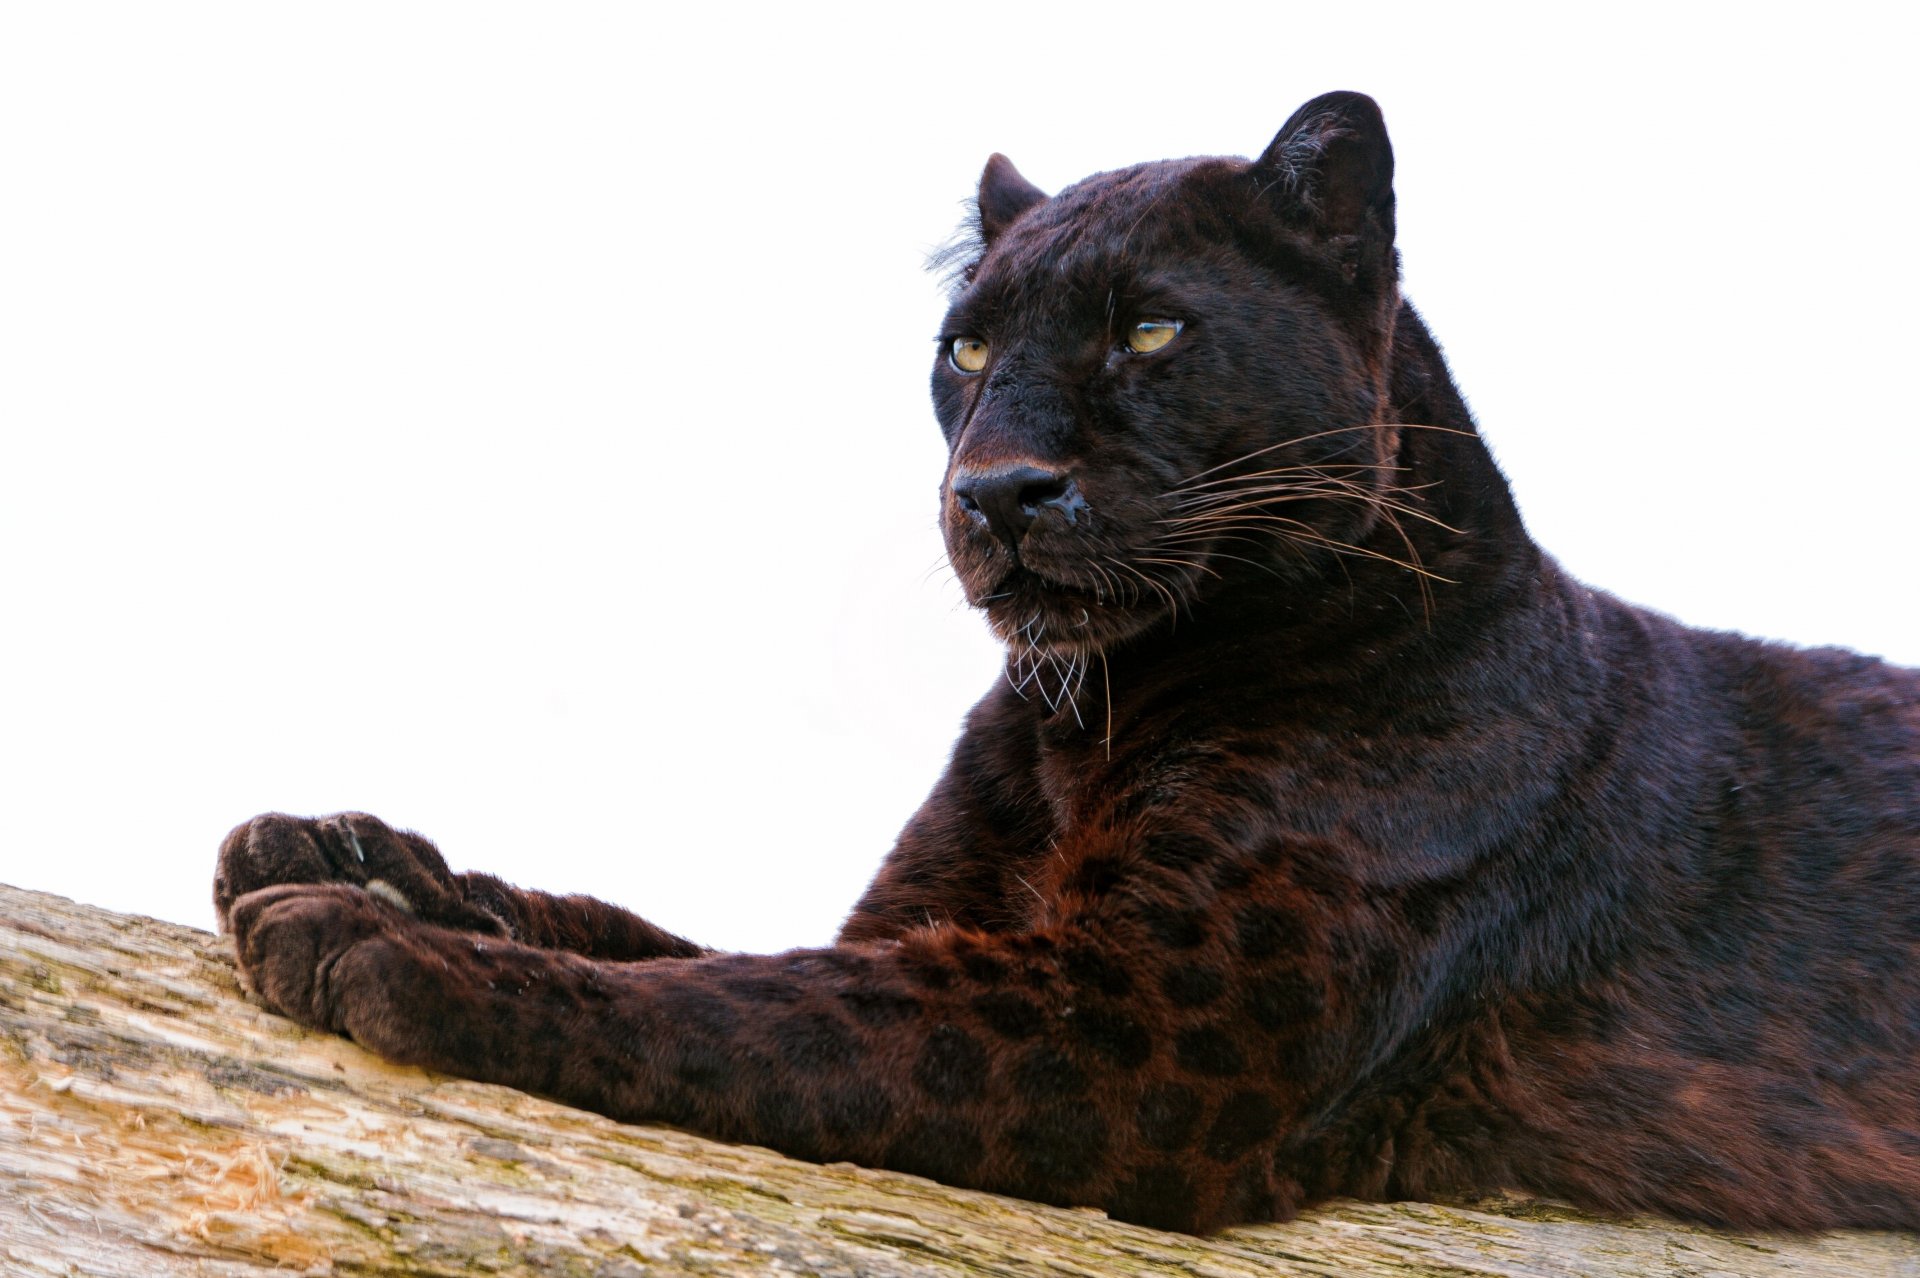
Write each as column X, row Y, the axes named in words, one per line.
column 1324, row 839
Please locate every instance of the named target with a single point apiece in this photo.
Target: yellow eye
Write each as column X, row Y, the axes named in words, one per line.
column 969, row 354
column 1150, row 335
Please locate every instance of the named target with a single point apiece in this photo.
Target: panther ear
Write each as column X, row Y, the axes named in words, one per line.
column 1332, row 167
column 1004, row 196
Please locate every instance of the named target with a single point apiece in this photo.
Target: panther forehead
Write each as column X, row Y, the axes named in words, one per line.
column 1098, row 231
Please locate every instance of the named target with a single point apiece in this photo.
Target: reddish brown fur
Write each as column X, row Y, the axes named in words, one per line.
column 1332, row 842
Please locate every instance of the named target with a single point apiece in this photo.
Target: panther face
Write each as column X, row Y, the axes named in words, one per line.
column 1162, row 384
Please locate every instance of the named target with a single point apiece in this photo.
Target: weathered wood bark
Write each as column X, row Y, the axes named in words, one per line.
column 153, row 1123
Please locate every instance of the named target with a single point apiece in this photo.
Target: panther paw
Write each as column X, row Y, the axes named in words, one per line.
column 304, row 947
column 352, row 848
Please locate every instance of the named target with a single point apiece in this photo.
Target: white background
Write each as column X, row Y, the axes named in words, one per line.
column 512, row 420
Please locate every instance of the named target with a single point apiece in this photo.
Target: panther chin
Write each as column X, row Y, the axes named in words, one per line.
column 1033, row 612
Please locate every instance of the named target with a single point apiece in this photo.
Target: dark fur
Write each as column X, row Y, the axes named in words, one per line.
column 1363, row 854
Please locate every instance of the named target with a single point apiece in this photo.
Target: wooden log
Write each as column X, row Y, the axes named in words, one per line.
column 153, row 1122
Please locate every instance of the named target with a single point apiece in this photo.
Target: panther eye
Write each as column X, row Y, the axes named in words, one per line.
column 1151, row 334
column 968, row 354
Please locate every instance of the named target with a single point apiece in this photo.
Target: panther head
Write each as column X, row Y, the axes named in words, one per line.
column 1168, row 376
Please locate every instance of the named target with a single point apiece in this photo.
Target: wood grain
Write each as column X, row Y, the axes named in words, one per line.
column 153, row 1122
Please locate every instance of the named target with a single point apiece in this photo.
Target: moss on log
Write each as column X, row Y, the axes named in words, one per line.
column 153, row 1122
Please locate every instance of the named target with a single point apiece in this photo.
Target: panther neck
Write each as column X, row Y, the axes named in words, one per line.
column 1368, row 621
column 1472, row 494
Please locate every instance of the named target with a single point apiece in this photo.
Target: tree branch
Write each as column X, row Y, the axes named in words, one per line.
column 155, row 1123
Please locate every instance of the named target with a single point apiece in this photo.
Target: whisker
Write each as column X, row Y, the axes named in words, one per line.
column 1241, row 559
column 1281, row 494
column 1180, row 563
column 1413, row 553
column 1238, row 501
column 1303, row 469
column 936, row 566
column 1296, row 530
column 1173, row 603
column 1303, row 439
column 1071, row 695
column 1008, row 672
column 1106, row 683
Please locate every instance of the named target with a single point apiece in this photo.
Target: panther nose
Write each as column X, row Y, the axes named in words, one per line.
column 1008, row 500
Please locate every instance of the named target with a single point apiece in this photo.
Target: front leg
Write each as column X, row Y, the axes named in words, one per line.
column 407, row 871
column 1155, row 1045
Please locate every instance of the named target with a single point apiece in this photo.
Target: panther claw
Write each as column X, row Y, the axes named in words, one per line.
column 342, row 826
column 390, row 894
